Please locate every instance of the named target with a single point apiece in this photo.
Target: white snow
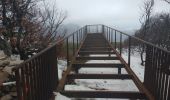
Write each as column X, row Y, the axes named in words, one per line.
column 103, row 85
column 60, row 97
column 62, row 65
column 136, row 66
column 101, row 55
column 101, row 71
column 103, row 61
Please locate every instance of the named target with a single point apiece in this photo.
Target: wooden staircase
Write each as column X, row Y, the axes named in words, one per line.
column 96, row 44
column 37, row 78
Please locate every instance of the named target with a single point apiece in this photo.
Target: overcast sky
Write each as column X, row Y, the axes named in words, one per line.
column 120, row 14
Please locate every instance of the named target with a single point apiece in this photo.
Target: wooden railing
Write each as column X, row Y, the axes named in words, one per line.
column 37, row 77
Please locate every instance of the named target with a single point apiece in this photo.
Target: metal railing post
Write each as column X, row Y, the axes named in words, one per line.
column 81, row 35
column 120, row 44
column 77, row 40
column 97, row 29
column 129, row 51
column 67, row 46
column 111, row 36
column 103, row 29
column 107, row 33
column 86, row 29
column 115, row 39
column 73, row 45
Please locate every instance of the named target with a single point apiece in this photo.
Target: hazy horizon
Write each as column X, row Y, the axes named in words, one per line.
column 123, row 14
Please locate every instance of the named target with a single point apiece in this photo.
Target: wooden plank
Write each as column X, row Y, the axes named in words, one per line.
column 95, row 52
column 95, row 49
column 104, row 94
column 98, row 65
column 99, row 76
column 96, row 58
column 90, row 46
column 95, row 44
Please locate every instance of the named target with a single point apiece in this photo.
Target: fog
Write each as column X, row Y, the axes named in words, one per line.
column 121, row 14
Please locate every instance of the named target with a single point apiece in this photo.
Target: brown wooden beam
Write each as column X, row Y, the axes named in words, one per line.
column 98, row 65
column 95, row 52
column 104, row 94
column 99, row 76
column 96, row 58
column 95, row 49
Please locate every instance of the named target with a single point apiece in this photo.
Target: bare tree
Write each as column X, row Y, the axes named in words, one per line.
column 145, row 20
column 168, row 1
column 52, row 19
column 27, row 24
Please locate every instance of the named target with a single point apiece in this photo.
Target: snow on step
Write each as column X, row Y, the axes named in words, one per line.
column 104, row 61
column 103, row 84
column 101, row 71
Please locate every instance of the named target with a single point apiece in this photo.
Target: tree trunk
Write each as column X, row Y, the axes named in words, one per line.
column 4, row 45
column 141, row 55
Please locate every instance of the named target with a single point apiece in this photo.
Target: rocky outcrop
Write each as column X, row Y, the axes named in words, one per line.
column 7, row 79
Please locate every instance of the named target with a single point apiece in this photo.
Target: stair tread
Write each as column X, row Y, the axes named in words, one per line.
column 99, row 76
column 96, row 58
column 98, row 65
column 104, row 94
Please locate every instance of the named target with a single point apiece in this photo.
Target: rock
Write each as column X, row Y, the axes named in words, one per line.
column 13, row 89
column 14, row 94
column 8, row 69
column 2, row 55
column 4, row 63
column 3, row 76
column 15, row 63
column 6, row 97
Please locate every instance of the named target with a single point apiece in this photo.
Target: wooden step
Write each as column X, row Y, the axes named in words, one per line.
column 95, row 38
column 95, row 52
column 94, row 44
column 98, row 65
column 97, row 47
column 99, row 76
column 95, row 41
column 96, row 58
column 92, row 48
column 104, row 94
column 88, row 47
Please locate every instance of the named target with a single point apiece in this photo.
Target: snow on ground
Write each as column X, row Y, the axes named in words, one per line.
column 60, row 97
column 62, row 65
column 136, row 66
column 103, row 85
